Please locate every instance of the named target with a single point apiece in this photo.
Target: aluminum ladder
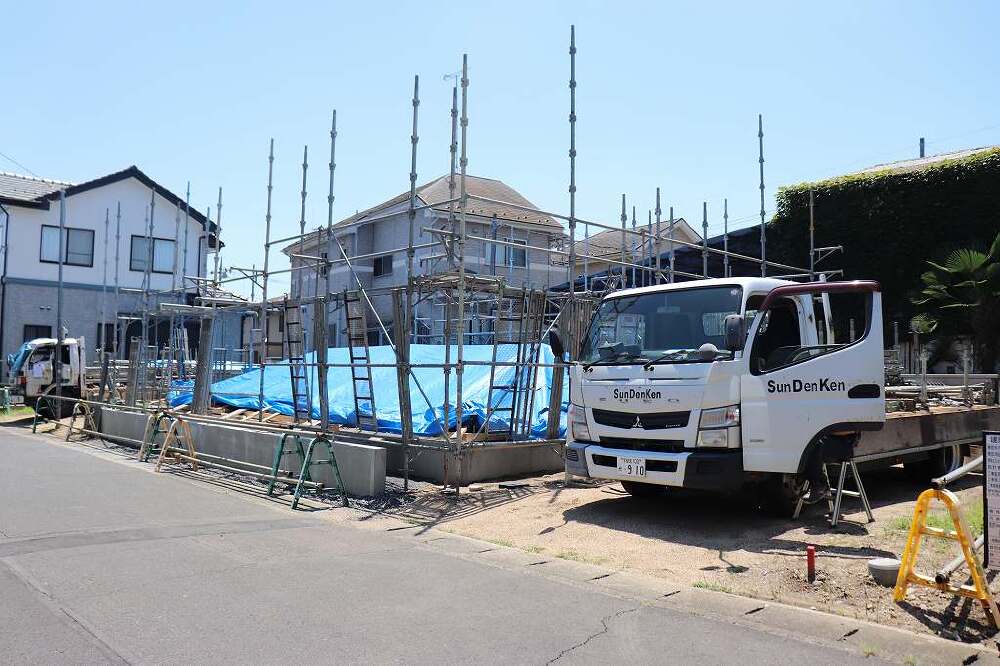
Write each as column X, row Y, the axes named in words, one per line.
column 295, row 348
column 518, row 322
column 361, row 372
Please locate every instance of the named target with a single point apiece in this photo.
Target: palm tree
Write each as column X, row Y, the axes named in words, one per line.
column 963, row 296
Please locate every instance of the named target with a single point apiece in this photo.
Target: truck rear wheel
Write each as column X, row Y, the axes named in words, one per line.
column 938, row 463
column 643, row 490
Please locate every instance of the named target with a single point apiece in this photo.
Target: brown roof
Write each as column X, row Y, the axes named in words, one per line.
column 608, row 243
column 436, row 195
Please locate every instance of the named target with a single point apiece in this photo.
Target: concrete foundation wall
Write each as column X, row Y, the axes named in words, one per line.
column 481, row 463
column 362, row 467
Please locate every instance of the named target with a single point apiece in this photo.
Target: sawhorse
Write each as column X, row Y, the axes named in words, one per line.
column 835, row 504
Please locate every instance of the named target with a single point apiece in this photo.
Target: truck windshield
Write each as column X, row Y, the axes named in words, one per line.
column 664, row 326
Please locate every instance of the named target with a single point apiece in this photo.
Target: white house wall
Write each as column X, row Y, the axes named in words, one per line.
column 86, row 210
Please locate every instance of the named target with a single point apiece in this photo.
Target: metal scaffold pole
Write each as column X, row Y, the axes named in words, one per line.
column 460, row 258
column 329, row 215
column 118, row 236
column 659, row 238
column 704, row 238
column 624, row 220
column 103, row 328
column 302, row 222
column 187, row 211
column 760, row 160
column 571, row 267
column 632, row 247
column 402, row 318
column 263, row 283
column 57, row 365
column 218, row 236
column 670, row 231
column 812, row 239
column 650, row 277
column 725, row 237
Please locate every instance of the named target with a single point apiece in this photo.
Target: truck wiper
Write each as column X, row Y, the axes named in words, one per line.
column 609, row 359
column 668, row 356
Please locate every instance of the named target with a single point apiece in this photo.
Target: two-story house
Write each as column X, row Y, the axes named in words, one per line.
column 29, row 215
column 379, row 236
column 606, row 247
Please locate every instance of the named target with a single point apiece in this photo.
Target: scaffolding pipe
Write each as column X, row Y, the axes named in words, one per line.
column 263, row 286
column 725, row 237
column 671, row 232
column 659, row 239
column 118, row 236
column 704, row 238
column 760, row 160
column 460, row 258
column 571, row 264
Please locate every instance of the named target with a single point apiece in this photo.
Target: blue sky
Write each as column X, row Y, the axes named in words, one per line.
column 668, row 96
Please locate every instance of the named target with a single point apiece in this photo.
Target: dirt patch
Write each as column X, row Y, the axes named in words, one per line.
column 726, row 543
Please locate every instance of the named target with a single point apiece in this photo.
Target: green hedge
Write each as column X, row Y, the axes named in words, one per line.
column 890, row 223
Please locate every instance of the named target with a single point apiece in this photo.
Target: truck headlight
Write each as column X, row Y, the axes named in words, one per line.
column 720, row 417
column 716, row 439
column 578, row 428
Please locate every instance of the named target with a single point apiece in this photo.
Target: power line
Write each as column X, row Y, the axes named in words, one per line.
column 11, row 159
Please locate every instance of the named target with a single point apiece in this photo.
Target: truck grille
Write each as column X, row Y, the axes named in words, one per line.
column 650, row 421
column 656, row 445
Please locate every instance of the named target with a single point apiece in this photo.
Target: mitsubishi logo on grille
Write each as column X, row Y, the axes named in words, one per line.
column 638, row 422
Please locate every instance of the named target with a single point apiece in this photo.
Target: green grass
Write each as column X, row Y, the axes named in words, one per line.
column 18, row 412
column 942, row 520
column 715, row 587
column 867, row 650
column 580, row 557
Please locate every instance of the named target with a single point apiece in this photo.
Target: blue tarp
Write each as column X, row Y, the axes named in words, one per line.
column 242, row 391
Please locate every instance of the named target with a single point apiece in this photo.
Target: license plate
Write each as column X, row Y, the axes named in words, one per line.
column 632, row 466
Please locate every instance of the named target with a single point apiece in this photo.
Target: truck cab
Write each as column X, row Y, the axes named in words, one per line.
column 31, row 371
column 717, row 383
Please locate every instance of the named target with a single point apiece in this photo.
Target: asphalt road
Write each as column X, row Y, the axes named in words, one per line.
column 103, row 561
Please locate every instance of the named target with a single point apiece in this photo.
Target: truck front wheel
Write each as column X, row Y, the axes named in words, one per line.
column 780, row 494
column 643, row 490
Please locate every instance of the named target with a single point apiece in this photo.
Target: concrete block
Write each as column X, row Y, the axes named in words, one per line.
column 362, row 467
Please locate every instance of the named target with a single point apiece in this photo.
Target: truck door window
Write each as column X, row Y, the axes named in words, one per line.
column 778, row 337
column 778, row 344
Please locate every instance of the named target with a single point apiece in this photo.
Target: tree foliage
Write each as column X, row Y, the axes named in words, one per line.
column 962, row 295
column 891, row 222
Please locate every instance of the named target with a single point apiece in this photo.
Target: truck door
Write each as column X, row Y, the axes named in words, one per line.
column 797, row 387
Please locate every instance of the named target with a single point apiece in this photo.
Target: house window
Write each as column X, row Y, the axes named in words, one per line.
column 515, row 256
column 383, row 265
column 323, row 266
column 163, row 255
column 32, row 331
column 105, row 336
column 78, row 246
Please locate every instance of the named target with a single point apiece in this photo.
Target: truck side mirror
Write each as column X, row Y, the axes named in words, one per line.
column 556, row 343
column 735, row 336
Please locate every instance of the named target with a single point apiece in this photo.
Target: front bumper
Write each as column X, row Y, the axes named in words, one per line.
column 720, row 470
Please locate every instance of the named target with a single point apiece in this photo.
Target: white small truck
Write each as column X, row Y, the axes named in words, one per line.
column 718, row 384
column 31, row 372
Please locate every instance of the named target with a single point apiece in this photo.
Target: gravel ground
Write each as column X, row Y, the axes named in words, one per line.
column 724, row 543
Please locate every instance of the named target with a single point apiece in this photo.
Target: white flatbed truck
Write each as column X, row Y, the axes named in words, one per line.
column 720, row 384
